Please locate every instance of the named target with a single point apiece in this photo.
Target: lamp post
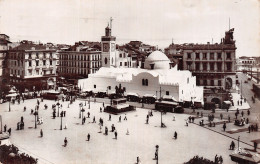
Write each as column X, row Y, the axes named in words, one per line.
column 89, row 102
column 35, row 114
column 61, row 115
column 238, row 142
column 80, row 105
column 82, row 110
column 10, row 105
column 58, row 104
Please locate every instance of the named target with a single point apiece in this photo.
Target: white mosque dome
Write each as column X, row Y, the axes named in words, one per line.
column 157, row 60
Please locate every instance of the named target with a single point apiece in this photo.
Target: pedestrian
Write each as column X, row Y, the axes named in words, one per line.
column 9, row 131
column 216, row 159
column 125, row 118
column 41, row 133
column 221, row 116
column 31, row 111
column 187, row 124
column 238, row 102
column 247, row 120
column 173, row 119
column 103, row 104
column 175, row 135
column 65, row 142
column 201, row 114
column 228, row 118
column 242, row 113
column 88, row 114
column 64, row 113
column 241, row 102
column 138, row 160
column 232, row 145
column 119, row 118
column 24, row 108
column 224, row 126
column 248, row 112
column 109, row 117
column 88, row 136
column 244, row 100
column 236, row 115
column 22, row 119
column 249, row 128
column 127, row 132
column 220, row 159
column 106, row 131
column 115, row 134
column 94, row 120
column 5, row 128
column 100, row 110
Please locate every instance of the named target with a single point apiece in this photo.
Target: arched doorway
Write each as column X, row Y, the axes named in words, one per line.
column 228, row 83
column 216, row 100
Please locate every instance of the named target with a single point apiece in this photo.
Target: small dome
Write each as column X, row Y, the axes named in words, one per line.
column 157, row 56
column 157, row 60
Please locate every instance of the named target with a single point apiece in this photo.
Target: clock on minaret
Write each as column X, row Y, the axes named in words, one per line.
column 105, row 47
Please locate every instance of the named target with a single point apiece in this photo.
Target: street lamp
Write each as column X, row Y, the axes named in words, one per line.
column 58, row 104
column 35, row 114
column 82, row 110
column 80, row 105
column 10, row 105
column 61, row 115
column 238, row 143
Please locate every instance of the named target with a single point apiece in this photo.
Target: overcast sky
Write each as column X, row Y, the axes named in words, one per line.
column 155, row 22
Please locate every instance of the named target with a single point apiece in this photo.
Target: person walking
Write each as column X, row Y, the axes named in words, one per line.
column 116, row 135
column 220, row 159
column 232, row 145
column 248, row 112
column 24, row 108
column 224, row 126
column 242, row 113
column 125, row 118
column 88, row 136
column 41, row 133
column 88, row 114
column 65, row 142
column 9, row 131
column 94, row 120
column 5, row 127
column 119, row 118
column 221, row 116
column 109, row 117
column 175, row 135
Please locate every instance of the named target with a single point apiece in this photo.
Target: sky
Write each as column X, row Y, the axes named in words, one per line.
column 155, row 22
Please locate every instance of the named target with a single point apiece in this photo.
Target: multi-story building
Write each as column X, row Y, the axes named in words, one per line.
column 79, row 64
column 33, row 65
column 4, row 41
column 245, row 63
column 212, row 64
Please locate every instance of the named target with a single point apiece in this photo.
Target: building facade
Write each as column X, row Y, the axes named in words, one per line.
column 156, row 79
column 32, row 64
column 214, row 65
column 4, row 41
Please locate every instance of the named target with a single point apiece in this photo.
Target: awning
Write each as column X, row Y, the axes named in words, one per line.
column 227, row 102
column 12, row 95
column 132, row 94
column 169, row 97
column 149, row 95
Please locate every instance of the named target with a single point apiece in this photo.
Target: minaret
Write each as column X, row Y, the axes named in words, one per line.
column 108, row 47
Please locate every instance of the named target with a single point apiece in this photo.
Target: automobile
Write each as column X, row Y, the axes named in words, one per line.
column 246, row 81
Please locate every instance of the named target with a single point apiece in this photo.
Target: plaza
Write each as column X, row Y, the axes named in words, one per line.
column 192, row 140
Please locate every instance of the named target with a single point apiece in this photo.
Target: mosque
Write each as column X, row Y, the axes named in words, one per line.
column 157, row 78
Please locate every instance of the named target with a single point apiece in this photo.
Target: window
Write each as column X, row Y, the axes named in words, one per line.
column 197, row 55
column 228, row 55
column 37, row 72
column 197, row 66
column 30, row 63
column 95, row 86
column 197, row 82
column 167, row 93
column 120, row 55
column 51, row 71
column 212, row 56
column 229, row 66
column 37, row 55
column 125, row 63
column 37, row 62
column 212, row 82
column 120, row 63
column 219, row 55
column 145, row 82
column 44, row 55
column 219, row 82
column 50, row 62
column 50, row 55
column 30, row 55
column 219, row 65
column 204, row 66
column 212, row 66
column 109, row 87
column 204, row 55
column 44, row 72
column 189, row 55
column 189, row 65
column 205, row 82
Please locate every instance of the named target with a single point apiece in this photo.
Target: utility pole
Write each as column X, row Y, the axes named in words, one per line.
column 257, row 76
